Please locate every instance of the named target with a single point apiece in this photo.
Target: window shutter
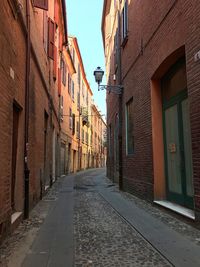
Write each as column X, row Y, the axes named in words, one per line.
column 69, row 84
column 59, row 82
column 55, row 65
column 60, row 41
column 73, row 124
column 56, row 12
column 43, row 4
column 64, row 72
column 51, row 36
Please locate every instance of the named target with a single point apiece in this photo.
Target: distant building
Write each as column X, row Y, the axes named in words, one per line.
column 152, row 49
column 98, row 129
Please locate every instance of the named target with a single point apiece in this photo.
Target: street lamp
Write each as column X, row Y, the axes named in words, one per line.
column 98, row 73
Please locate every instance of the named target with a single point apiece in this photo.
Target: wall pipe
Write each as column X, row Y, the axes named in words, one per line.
column 26, row 132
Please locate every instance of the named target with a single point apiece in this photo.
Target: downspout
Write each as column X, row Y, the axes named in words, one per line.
column 79, row 141
column 120, row 105
column 26, row 139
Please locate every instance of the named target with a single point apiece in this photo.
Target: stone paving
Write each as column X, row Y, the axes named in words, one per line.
column 101, row 236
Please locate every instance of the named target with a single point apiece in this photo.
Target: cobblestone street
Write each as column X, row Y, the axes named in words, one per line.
column 77, row 224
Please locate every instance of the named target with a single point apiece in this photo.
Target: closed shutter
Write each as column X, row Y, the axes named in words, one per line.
column 60, row 41
column 73, row 124
column 56, row 12
column 43, row 4
column 51, row 37
column 59, row 82
column 55, row 65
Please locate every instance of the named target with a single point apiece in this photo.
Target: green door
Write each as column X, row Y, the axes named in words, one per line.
column 178, row 152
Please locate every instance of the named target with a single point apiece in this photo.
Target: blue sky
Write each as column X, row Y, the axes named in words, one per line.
column 84, row 22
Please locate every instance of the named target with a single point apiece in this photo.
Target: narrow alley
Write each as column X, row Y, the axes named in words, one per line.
column 84, row 220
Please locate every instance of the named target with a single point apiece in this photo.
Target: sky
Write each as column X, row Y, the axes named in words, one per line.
column 84, row 22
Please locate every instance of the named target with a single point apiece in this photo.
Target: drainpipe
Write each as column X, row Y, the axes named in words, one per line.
column 26, row 169
column 120, row 105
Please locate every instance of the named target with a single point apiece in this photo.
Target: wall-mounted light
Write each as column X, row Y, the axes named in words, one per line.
column 98, row 73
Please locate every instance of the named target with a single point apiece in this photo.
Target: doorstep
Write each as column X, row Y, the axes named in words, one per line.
column 15, row 220
column 177, row 208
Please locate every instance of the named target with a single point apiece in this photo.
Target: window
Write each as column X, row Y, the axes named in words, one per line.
column 43, row 4
column 129, row 128
column 69, row 84
column 51, row 38
column 78, row 100
column 61, row 108
column 86, row 138
column 79, row 76
column 70, row 119
column 64, row 70
column 124, row 26
column 73, row 123
column 45, row 32
column 83, row 136
column 77, row 130
column 72, row 90
column 83, row 89
column 55, row 67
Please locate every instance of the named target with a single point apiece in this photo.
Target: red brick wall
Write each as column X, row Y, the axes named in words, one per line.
column 43, row 98
column 12, row 55
column 156, row 30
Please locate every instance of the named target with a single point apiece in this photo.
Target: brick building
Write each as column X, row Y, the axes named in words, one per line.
column 32, row 37
column 152, row 49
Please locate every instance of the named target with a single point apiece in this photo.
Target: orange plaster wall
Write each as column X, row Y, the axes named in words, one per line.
column 158, row 147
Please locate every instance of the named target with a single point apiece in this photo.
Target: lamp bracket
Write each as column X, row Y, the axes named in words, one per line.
column 117, row 89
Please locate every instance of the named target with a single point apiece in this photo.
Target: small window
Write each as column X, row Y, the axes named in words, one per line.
column 77, row 130
column 79, row 76
column 72, row 90
column 125, row 22
column 69, row 84
column 61, row 108
column 129, row 128
column 83, row 136
column 51, row 38
column 78, row 100
column 64, row 70
column 73, row 123
column 70, row 119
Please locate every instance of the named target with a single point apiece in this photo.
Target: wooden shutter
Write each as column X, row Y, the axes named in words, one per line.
column 56, row 12
column 60, row 41
column 55, row 64
column 59, row 82
column 51, row 37
column 73, row 123
column 63, row 72
column 43, row 4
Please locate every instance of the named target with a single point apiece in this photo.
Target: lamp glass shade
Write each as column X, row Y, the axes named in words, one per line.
column 98, row 73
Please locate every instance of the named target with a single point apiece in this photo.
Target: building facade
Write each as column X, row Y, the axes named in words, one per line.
column 152, row 49
column 33, row 34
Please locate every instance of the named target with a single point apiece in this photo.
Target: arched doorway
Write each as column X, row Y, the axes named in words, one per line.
column 177, row 135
